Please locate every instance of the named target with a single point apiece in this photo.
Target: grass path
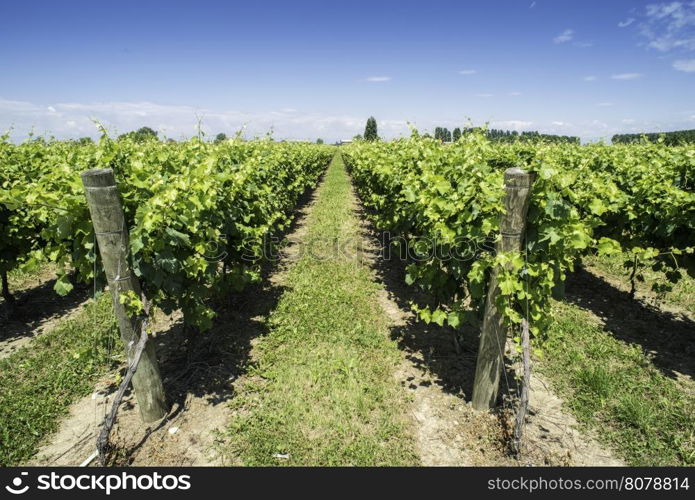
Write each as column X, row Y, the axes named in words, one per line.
column 616, row 388
column 322, row 390
column 39, row 383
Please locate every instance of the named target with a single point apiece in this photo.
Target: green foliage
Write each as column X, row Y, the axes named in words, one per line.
column 457, row 134
column 221, row 137
column 319, row 141
column 446, row 201
column 189, row 206
column 370, row 132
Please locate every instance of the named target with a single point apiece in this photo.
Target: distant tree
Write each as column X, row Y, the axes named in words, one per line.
column 457, row 134
column 142, row 134
column 146, row 132
column 370, row 132
column 447, row 135
column 358, row 137
column 438, row 133
column 319, row 141
column 221, row 137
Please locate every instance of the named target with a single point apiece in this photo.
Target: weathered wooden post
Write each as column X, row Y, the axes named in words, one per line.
column 112, row 236
column 493, row 337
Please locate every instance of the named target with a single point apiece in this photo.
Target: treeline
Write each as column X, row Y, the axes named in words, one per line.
column 513, row 136
column 675, row 138
column 496, row 135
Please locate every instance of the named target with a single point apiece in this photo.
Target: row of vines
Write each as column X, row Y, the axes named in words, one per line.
column 444, row 203
column 197, row 212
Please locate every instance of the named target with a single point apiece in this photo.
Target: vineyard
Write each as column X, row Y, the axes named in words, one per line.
column 324, row 379
column 447, row 202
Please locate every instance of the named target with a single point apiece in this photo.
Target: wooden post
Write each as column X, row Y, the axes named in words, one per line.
column 114, row 247
column 490, row 362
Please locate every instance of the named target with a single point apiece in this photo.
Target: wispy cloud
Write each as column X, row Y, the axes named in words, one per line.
column 627, row 22
column 626, row 76
column 564, row 37
column 515, row 94
column 670, row 26
column 74, row 119
column 533, row 4
column 687, row 65
column 468, row 72
column 605, row 104
column 590, row 78
column 378, row 78
column 627, row 121
column 484, row 95
column 511, row 124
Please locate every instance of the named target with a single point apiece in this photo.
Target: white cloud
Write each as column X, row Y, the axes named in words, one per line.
column 626, row 76
column 565, row 36
column 74, row 119
column 687, row 65
column 378, row 78
column 468, row 72
column 691, row 118
column 590, row 78
column 627, row 22
column 670, row 26
column 484, row 95
column 511, row 124
column 561, row 124
column 515, row 94
column 533, row 4
column 605, row 104
column 51, row 109
column 627, row 121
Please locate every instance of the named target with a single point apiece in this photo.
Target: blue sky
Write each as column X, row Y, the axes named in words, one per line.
column 319, row 69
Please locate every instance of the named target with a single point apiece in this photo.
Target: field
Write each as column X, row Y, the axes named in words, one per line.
column 315, row 305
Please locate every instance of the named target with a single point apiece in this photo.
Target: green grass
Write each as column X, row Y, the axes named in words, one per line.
column 682, row 295
column 322, row 387
column 613, row 388
column 39, row 382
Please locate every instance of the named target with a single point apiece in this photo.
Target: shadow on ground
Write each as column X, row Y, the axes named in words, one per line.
column 668, row 338
column 35, row 307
